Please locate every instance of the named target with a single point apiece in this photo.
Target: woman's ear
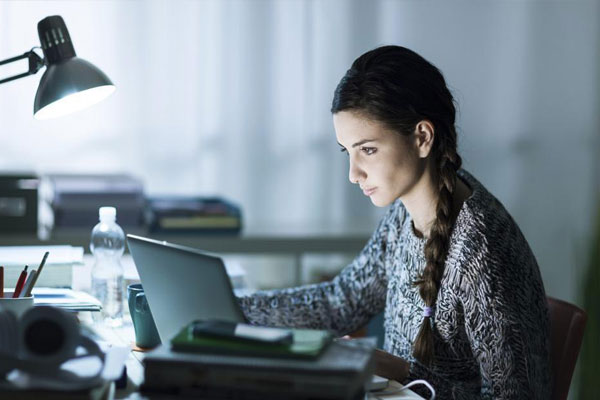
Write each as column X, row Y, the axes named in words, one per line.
column 424, row 134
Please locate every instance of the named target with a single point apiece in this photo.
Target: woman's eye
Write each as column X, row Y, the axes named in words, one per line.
column 343, row 150
column 369, row 150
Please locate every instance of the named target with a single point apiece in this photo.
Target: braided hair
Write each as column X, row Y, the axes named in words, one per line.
column 399, row 88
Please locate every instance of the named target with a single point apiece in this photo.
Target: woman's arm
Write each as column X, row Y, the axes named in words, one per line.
column 390, row 366
column 507, row 327
column 342, row 305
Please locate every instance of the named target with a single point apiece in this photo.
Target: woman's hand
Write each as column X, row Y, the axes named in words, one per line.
column 390, row 366
column 387, row 365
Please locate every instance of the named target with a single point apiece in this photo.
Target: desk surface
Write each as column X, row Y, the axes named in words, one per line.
column 124, row 336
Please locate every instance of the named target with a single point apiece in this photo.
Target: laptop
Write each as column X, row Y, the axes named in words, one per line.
column 182, row 284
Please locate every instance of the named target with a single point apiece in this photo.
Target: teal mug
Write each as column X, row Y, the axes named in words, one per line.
column 146, row 334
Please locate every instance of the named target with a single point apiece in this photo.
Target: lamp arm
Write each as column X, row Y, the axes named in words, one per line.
column 35, row 63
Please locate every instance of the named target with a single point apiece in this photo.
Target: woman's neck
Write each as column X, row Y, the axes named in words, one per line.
column 421, row 203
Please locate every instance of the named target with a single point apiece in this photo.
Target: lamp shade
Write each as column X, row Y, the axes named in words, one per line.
column 68, row 86
column 70, row 83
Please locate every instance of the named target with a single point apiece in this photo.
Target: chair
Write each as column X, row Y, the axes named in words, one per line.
column 567, row 323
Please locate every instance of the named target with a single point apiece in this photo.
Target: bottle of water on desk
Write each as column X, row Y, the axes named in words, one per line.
column 107, row 244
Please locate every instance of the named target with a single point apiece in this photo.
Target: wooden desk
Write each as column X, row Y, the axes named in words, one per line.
column 124, row 336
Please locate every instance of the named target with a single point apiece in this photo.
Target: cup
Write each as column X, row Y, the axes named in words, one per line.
column 18, row 306
column 146, row 334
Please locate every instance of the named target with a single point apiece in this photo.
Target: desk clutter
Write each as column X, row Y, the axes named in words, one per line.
column 296, row 364
column 311, row 366
column 52, row 287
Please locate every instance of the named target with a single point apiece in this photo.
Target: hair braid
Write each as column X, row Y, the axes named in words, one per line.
column 436, row 247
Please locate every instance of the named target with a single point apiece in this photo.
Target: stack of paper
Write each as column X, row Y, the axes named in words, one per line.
column 58, row 271
column 68, row 299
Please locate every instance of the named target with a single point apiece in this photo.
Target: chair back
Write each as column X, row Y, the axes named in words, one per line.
column 567, row 323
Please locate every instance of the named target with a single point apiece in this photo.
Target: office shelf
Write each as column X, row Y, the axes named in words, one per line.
column 294, row 243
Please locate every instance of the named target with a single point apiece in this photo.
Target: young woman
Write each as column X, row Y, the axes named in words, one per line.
column 464, row 302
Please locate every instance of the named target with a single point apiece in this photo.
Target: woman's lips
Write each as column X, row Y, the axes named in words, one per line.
column 369, row 192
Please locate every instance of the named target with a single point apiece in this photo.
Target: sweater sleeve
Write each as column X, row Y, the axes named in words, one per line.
column 342, row 305
column 507, row 331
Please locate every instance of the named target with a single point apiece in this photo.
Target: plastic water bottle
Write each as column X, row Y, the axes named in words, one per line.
column 107, row 244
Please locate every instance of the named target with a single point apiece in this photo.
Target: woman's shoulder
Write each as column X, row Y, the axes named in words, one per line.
column 489, row 257
column 485, row 230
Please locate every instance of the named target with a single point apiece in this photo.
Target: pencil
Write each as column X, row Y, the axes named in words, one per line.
column 1, row 282
column 20, row 283
column 28, row 284
column 39, row 271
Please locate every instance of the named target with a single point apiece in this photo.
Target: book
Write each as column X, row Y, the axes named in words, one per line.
column 58, row 271
column 76, row 198
column 307, row 343
column 340, row 373
column 193, row 214
column 55, row 275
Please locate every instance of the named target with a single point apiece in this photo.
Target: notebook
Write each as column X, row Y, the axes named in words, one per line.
column 307, row 343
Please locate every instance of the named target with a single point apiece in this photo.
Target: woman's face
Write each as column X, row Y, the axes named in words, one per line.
column 384, row 163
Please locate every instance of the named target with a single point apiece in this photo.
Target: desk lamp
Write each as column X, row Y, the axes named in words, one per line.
column 70, row 83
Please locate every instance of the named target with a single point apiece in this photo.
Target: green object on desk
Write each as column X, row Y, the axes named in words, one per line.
column 308, row 344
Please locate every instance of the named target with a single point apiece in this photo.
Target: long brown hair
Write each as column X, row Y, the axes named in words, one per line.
column 399, row 88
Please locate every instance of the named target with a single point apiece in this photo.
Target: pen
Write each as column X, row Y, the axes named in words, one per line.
column 28, row 284
column 20, row 282
column 1, row 282
column 37, row 274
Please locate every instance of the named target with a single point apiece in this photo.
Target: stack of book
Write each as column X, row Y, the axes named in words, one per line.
column 19, row 202
column 316, row 369
column 193, row 214
column 76, row 198
column 58, row 270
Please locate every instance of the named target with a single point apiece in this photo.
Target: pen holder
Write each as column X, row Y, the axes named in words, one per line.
column 18, row 305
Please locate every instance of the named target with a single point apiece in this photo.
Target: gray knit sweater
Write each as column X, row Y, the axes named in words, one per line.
column 490, row 324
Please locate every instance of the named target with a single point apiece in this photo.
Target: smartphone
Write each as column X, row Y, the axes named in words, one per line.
column 245, row 332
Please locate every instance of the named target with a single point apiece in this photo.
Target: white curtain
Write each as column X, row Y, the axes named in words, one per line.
column 232, row 98
column 214, row 97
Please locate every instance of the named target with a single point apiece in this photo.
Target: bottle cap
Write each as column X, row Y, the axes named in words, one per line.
column 107, row 213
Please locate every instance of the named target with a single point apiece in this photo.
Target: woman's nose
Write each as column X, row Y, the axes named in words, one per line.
column 355, row 173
